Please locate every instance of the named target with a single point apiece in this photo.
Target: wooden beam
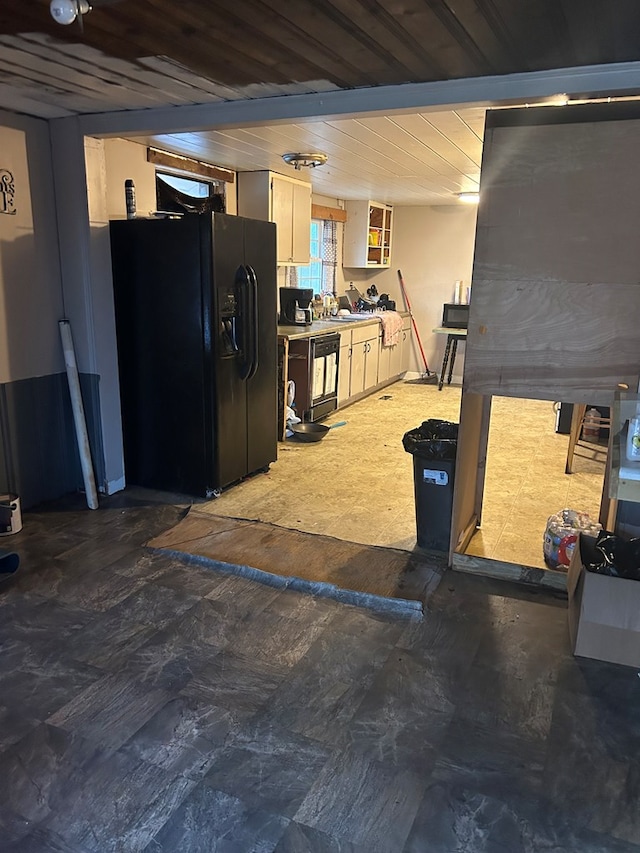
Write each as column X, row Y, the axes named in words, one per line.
column 444, row 94
column 319, row 211
column 186, row 164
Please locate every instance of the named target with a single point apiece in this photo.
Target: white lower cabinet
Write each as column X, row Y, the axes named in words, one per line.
column 364, row 358
column 384, row 362
column 371, row 361
column 395, row 357
column 399, row 355
column 344, row 368
column 365, row 363
column 405, row 345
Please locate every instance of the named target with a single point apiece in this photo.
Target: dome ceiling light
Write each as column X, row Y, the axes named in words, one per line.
column 311, row 160
column 67, row 11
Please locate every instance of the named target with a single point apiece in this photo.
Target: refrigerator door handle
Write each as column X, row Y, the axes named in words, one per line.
column 253, row 285
column 245, row 300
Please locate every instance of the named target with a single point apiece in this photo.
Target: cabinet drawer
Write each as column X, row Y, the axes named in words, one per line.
column 365, row 332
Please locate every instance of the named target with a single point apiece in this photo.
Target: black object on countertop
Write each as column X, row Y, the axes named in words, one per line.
column 455, row 315
column 292, row 298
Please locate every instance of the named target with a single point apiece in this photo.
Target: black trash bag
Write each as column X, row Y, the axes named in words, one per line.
column 619, row 558
column 434, row 439
column 435, row 428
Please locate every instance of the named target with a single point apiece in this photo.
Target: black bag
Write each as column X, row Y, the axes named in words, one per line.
column 616, row 557
column 434, row 439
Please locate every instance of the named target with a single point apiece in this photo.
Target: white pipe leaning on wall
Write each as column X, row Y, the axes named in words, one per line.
column 82, row 436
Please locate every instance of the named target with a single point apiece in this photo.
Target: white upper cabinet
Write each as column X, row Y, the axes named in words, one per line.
column 285, row 201
column 367, row 235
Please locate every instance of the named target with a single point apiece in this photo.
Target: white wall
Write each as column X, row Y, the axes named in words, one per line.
column 433, row 246
column 30, row 289
column 125, row 159
column 102, row 171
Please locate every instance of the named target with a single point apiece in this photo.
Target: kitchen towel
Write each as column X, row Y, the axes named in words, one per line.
column 391, row 327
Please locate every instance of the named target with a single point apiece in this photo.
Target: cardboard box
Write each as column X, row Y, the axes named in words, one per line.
column 604, row 612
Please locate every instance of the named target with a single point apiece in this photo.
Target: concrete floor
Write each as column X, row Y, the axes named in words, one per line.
column 357, row 483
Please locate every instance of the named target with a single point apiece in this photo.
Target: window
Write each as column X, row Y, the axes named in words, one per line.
column 178, row 194
column 320, row 274
column 188, row 186
column 311, row 275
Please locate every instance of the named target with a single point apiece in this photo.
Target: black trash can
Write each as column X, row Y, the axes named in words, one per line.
column 433, row 446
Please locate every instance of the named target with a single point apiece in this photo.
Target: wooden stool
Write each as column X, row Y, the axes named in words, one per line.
column 577, row 423
column 453, row 336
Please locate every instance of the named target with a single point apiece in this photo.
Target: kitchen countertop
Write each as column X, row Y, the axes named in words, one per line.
column 325, row 327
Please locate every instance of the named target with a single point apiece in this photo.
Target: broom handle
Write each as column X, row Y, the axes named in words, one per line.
column 415, row 328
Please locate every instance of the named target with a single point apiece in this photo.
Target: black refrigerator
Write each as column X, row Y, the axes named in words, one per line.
column 195, row 307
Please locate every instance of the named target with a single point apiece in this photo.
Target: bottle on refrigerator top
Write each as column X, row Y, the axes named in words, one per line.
column 130, row 198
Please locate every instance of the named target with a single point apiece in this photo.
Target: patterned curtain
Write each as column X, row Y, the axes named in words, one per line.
column 329, row 255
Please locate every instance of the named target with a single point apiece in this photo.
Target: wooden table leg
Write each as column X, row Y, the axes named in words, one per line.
column 577, row 416
column 447, row 349
column 454, row 350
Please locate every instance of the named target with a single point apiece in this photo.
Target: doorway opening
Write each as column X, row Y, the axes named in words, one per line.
column 525, row 481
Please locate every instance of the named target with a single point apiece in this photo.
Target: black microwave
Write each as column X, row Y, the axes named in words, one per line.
column 455, row 316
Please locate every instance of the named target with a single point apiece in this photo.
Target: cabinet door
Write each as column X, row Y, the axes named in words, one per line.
column 379, row 236
column 301, row 223
column 372, row 354
column 395, row 358
column 406, row 346
column 384, row 362
column 367, row 235
column 344, row 370
column 358, row 359
column 386, row 238
column 281, row 214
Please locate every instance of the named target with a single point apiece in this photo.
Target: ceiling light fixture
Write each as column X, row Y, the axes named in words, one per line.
column 469, row 197
column 66, row 11
column 311, row 160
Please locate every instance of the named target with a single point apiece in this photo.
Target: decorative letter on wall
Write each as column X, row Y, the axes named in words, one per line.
column 7, row 193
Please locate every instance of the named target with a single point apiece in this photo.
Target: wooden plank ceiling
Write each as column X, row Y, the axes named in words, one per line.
column 415, row 159
column 137, row 54
column 224, row 49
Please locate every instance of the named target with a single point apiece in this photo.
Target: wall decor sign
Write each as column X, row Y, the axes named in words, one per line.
column 7, row 193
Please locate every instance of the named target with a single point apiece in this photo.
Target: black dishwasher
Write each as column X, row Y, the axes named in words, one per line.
column 324, row 352
column 313, row 366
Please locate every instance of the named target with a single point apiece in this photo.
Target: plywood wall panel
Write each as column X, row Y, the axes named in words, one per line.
column 555, row 309
column 561, row 203
column 551, row 341
column 473, row 435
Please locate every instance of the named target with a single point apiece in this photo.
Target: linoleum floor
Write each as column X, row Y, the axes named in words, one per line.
column 357, row 483
column 149, row 705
